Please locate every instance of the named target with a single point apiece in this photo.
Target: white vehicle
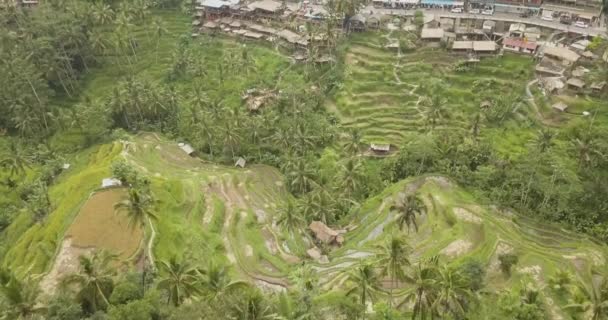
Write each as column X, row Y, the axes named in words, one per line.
column 475, row 11
column 581, row 24
column 488, row 12
column 546, row 18
column 456, row 10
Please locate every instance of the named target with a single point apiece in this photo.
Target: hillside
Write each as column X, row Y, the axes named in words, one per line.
column 229, row 214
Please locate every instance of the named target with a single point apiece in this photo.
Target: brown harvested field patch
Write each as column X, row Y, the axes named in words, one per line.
column 98, row 226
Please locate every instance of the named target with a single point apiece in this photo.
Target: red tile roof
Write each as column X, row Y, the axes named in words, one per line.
column 520, row 43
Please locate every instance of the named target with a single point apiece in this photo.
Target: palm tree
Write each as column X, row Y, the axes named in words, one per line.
column 351, row 177
column 543, row 140
column 15, row 159
column 393, row 258
column 453, row 293
column 289, row 217
column 180, row 280
column 301, row 177
column 94, row 279
column 593, row 299
column 251, row 307
column 232, row 137
column 20, row 298
column 216, row 282
column 102, row 13
column 424, row 291
column 139, row 210
column 433, row 109
column 406, row 207
column 351, row 147
column 587, row 148
column 159, row 28
column 365, row 283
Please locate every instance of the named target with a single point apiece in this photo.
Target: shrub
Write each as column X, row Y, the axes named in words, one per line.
column 507, row 261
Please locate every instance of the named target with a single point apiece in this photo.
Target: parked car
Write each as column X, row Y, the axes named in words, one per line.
column 581, row 24
column 565, row 19
column 475, row 11
column 546, row 18
column 488, row 12
column 456, row 10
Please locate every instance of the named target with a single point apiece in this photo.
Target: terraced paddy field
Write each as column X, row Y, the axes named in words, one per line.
column 229, row 215
column 382, row 90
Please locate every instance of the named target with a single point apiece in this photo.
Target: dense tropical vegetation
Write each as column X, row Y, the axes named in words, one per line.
column 80, row 74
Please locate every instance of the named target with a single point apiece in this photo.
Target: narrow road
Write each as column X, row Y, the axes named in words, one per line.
column 498, row 16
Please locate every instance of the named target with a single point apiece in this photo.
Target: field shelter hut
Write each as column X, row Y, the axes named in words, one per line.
column 186, row 148
column 380, row 148
column 560, row 106
column 240, row 162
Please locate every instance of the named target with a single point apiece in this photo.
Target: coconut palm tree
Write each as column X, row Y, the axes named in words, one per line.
column 543, row 140
column 351, row 177
column 406, row 208
column 453, row 294
column 102, row 13
column 424, row 289
column 251, row 306
column 160, row 29
column 301, row 177
column 179, row 279
column 587, row 149
column 94, row 279
column 289, row 217
column 592, row 299
column 433, row 109
column 352, row 145
column 365, row 283
column 18, row 298
column 393, row 259
column 216, row 282
column 15, row 159
column 139, row 208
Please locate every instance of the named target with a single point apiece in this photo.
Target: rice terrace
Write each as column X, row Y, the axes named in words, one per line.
column 303, row 160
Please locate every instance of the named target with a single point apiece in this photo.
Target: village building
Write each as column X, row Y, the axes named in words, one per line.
column 357, row 23
column 213, row 9
column 598, row 87
column 375, row 21
column 432, row 35
column 489, row 26
column 575, row 84
column 587, row 11
column 519, row 45
column 477, row 47
column 565, row 55
column 268, row 9
column 550, row 67
column 517, row 30
column 518, row 6
column 580, row 45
